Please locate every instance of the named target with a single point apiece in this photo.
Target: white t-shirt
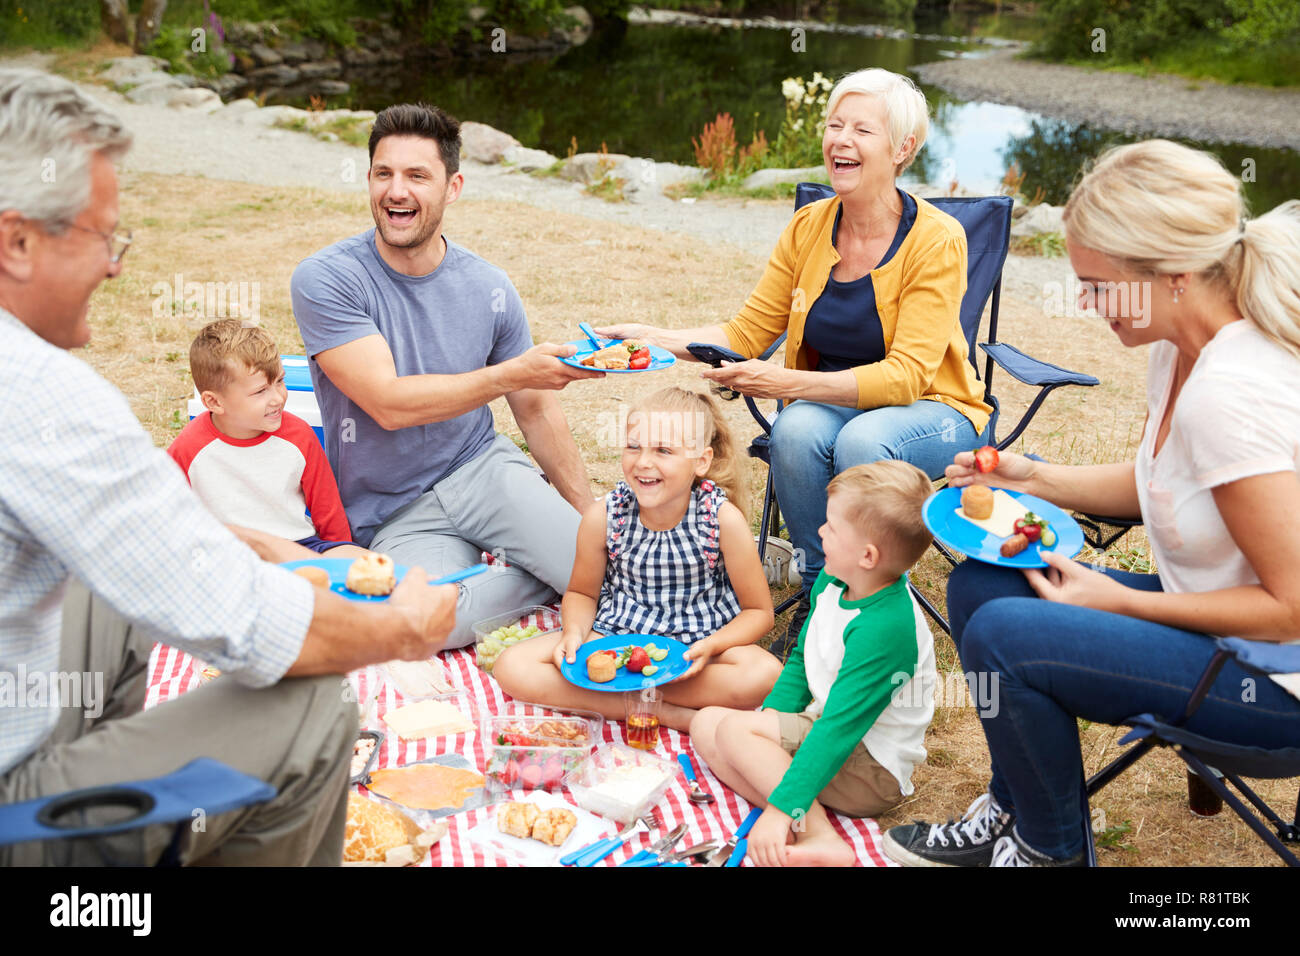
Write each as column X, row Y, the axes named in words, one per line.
column 1237, row 416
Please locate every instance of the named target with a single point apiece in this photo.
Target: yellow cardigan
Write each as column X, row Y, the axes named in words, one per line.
column 926, row 354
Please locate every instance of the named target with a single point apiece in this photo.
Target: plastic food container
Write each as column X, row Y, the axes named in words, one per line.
column 377, row 740
column 536, row 752
column 488, row 643
column 620, row 783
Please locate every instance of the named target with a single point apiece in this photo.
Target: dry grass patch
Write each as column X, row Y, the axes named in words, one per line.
column 568, row 269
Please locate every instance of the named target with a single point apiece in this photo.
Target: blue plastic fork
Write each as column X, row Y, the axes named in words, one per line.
column 460, row 575
column 593, row 853
column 590, row 334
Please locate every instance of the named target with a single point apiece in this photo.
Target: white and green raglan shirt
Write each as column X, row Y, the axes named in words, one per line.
column 865, row 669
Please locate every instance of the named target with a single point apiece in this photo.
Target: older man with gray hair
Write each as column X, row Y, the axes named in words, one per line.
column 84, row 494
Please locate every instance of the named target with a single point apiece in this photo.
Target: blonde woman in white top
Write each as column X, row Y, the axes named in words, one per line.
column 1216, row 297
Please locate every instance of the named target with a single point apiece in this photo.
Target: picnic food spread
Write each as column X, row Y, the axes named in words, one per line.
column 426, row 786
column 621, row 355
column 977, row 501
column 629, row 784
column 317, row 576
column 1002, row 515
column 525, row 820
column 535, row 753
column 419, row 678
column 603, row 666
column 361, row 752
column 496, row 642
column 427, row 718
column 372, row 574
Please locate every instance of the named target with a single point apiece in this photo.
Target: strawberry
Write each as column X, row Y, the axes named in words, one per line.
column 1030, row 530
column 531, row 776
column 637, row 660
column 552, row 771
column 640, row 358
column 511, row 773
column 986, row 459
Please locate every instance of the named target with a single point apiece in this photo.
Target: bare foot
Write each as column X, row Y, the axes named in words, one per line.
column 828, row 850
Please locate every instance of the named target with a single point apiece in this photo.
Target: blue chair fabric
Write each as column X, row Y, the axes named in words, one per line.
column 1217, row 762
column 202, row 783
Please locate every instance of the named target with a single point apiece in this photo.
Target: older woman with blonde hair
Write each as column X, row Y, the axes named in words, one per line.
column 1216, row 296
column 867, row 285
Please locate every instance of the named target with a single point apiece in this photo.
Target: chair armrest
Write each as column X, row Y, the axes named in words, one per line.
column 1032, row 371
column 1263, row 657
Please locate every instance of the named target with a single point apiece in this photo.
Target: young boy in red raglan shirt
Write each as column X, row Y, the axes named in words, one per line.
column 255, row 466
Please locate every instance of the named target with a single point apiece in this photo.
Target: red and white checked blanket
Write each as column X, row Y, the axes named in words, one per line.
column 173, row 672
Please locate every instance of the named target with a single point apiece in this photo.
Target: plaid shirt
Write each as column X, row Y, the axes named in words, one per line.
column 83, row 491
column 666, row 583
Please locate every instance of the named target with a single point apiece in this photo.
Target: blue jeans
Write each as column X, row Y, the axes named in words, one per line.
column 1055, row 663
column 813, row 443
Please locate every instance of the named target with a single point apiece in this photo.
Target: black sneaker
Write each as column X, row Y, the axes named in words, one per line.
column 786, row 643
column 965, row 842
column 1011, row 850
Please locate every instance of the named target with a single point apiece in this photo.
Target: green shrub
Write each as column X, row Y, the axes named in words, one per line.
column 42, row 24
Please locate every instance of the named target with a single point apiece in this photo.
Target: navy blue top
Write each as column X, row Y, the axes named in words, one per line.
column 843, row 324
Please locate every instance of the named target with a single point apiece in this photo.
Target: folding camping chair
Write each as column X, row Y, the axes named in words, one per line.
column 987, row 222
column 173, row 798
column 1231, row 760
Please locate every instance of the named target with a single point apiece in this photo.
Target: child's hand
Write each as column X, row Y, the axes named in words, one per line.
column 699, row 655
column 767, row 840
column 566, row 648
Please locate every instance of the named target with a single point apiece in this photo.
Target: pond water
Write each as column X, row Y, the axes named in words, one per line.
column 647, row 90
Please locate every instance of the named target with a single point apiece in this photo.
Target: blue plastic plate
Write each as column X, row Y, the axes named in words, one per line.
column 941, row 517
column 672, row 666
column 337, row 569
column 659, row 358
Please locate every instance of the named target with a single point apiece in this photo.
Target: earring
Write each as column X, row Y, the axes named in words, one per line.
column 1177, row 293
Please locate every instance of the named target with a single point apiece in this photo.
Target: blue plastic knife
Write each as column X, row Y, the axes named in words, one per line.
column 728, row 849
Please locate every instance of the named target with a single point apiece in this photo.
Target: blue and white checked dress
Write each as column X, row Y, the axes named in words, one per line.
column 666, row 583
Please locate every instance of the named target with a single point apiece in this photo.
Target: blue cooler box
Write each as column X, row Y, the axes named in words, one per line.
column 302, row 399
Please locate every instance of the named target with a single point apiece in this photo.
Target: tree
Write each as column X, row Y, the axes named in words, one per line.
column 114, row 15
column 149, row 23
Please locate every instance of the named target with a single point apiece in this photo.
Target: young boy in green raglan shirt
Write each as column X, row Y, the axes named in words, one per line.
column 845, row 723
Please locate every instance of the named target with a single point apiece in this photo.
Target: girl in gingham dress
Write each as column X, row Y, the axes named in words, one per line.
column 668, row 552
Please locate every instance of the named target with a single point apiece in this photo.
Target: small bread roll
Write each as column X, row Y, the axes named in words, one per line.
column 601, row 668
column 554, row 826
column 372, row 574
column 373, row 829
column 517, row 819
column 317, row 576
column 977, row 501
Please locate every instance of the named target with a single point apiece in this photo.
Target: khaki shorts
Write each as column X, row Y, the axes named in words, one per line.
column 861, row 788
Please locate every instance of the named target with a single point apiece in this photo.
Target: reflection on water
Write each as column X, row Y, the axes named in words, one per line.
column 646, row 91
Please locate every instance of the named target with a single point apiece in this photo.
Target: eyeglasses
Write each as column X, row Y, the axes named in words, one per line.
column 118, row 242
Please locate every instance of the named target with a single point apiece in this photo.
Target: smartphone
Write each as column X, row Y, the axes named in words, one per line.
column 714, row 355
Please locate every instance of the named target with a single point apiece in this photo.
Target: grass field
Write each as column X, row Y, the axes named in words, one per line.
column 568, row 269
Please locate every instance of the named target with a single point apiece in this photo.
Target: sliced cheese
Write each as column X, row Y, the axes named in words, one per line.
column 1002, row 522
column 428, row 718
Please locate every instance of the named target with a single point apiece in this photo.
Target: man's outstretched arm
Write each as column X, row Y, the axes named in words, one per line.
column 365, row 372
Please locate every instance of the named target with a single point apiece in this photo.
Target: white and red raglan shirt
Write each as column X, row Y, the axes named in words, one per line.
column 268, row 483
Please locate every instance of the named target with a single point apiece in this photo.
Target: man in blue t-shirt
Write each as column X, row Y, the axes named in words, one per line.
column 410, row 336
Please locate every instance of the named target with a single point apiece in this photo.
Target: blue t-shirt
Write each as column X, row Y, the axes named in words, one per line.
column 843, row 325
column 459, row 318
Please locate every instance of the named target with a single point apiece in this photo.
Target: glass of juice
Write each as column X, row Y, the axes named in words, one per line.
column 642, row 710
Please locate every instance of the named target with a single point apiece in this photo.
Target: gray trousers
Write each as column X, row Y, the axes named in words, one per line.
column 297, row 736
column 496, row 503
